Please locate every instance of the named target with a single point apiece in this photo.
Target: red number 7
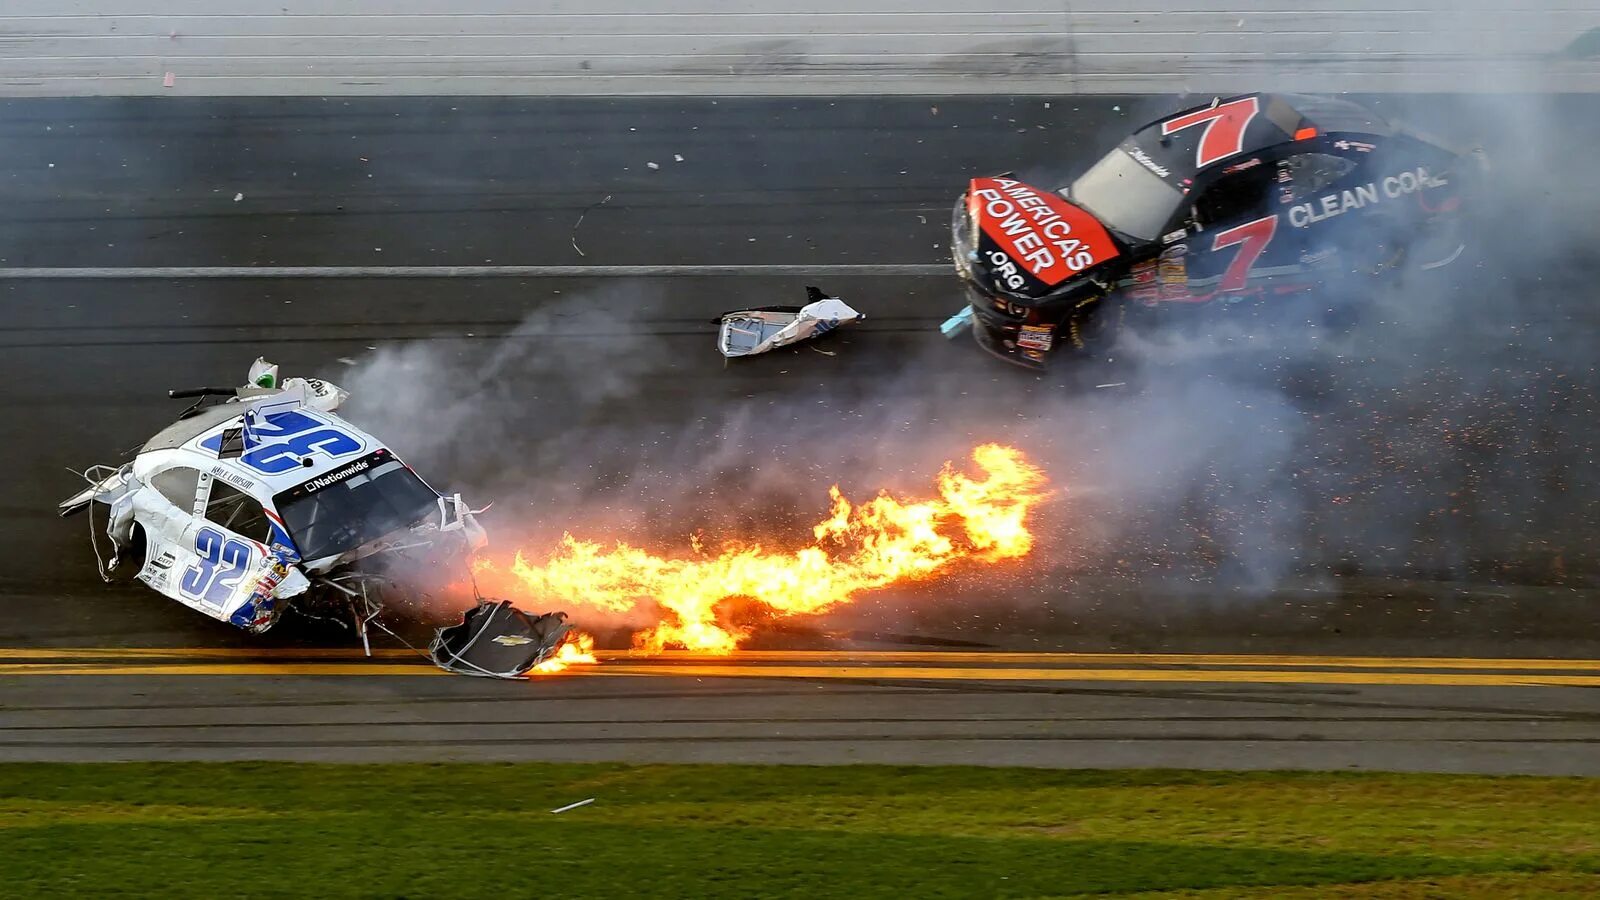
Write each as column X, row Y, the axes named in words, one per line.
column 1252, row 239
column 1225, row 125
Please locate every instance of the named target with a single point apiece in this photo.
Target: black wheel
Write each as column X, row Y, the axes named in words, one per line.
column 130, row 558
column 1090, row 327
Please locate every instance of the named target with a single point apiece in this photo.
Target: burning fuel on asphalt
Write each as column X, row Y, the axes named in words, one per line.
column 704, row 598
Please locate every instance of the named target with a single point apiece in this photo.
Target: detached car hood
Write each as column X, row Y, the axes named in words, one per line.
column 1026, row 242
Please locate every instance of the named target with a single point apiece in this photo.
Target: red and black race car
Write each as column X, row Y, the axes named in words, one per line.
column 1251, row 196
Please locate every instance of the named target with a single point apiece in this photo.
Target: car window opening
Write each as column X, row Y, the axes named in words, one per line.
column 1305, row 175
column 178, row 484
column 236, row 511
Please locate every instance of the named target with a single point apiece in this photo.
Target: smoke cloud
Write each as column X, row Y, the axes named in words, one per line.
column 1438, row 428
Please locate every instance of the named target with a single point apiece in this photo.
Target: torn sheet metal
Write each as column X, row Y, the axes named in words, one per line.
column 746, row 332
column 497, row 640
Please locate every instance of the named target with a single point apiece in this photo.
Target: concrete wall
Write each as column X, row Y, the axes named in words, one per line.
column 318, row 47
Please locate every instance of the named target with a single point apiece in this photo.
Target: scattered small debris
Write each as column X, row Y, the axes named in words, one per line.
column 677, row 157
column 238, row 197
column 345, row 360
column 573, row 805
column 169, row 80
column 1111, row 384
column 574, row 236
column 652, row 165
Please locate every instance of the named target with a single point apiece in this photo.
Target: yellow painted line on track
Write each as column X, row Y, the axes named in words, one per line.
column 1228, row 676
column 261, row 668
column 1140, row 659
column 200, row 653
column 857, row 673
column 80, row 656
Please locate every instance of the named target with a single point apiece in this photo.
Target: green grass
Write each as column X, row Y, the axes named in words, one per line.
column 271, row 830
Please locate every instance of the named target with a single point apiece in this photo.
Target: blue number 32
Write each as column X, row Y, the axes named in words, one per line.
column 204, row 580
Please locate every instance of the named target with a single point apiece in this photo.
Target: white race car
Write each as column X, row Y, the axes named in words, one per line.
column 243, row 508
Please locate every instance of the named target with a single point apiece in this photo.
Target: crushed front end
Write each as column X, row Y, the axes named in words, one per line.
column 1028, row 260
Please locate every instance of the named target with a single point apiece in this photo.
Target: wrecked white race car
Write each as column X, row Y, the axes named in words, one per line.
column 268, row 501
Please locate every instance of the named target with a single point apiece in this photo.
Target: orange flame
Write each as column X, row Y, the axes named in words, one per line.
column 577, row 647
column 857, row 548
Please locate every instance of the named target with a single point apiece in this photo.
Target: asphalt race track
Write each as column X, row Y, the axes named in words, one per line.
column 1416, row 590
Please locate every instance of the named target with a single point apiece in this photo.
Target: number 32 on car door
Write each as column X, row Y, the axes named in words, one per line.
column 222, row 561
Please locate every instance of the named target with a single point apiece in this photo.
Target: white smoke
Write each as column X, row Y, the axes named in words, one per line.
column 1440, row 427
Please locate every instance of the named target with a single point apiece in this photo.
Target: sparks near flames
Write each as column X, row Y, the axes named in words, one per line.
column 858, row 547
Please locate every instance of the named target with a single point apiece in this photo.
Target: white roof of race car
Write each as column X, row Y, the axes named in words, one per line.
column 184, row 430
column 286, row 445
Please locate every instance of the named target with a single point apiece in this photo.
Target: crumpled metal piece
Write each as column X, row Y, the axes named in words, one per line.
column 496, row 640
column 746, row 332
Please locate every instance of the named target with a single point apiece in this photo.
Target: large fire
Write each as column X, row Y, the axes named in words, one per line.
column 857, row 548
